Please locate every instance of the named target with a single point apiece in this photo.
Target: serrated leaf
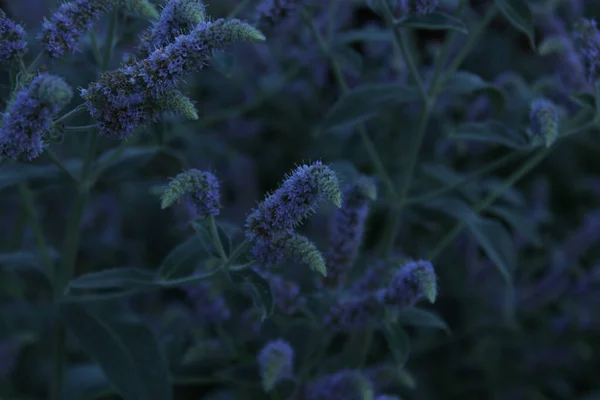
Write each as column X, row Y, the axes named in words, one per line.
column 398, row 342
column 420, row 318
column 126, row 350
column 436, row 21
column 114, row 279
column 497, row 244
column 517, row 12
column 365, row 102
column 491, row 132
column 260, row 287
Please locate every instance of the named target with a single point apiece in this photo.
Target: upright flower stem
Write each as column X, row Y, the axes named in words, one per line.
column 490, row 199
column 71, row 245
column 341, row 81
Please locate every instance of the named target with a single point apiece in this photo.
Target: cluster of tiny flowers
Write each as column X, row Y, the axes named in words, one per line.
column 125, row 99
column 544, row 119
column 418, row 7
column 203, row 189
column 210, row 307
column 30, row 116
column 354, row 312
column 178, row 17
column 12, row 40
column 410, row 283
column 343, row 385
column 271, row 225
column 275, row 363
column 347, row 229
column 61, row 33
column 272, row 12
column 587, row 41
column 375, row 277
column 287, row 294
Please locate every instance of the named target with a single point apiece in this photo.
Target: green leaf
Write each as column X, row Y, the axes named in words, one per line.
column 183, row 259
column 398, row 342
column 348, row 58
column 365, row 102
column 205, row 239
column 436, row 21
column 597, row 98
column 453, row 207
column 553, row 45
column 224, row 63
column 517, row 12
column 492, row 132
column 119, row 161
column 520, row 221
column 421, row 318
column 114, row 279
column 21, row 260
column 261, row 289
column 13, row 174
column 497, row 244
column 363, row 35
column 126, row 350
column 86, row 381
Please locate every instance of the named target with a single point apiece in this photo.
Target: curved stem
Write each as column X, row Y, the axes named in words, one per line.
column 71, row 114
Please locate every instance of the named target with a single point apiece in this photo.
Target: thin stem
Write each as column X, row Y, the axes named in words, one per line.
column 239, row 8
column 461, row 182
column 28, row 201
column 82, row 128
column 71, row 114
column 216, row 238
column 490, row 199
column 401, row 43
column 60, row 164
column 35, row 62
column 341, row 81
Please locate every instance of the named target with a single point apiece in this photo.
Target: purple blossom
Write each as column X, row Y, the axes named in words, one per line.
column 587, row 41
column 287, row 294
column 374, row 277
column 12, row 40
column 125, row 99
column 209, row 306
column 276, row 363
column 343, row 385
column 29, row 116
column 347, row 229
column 61, row 33
column 413, row 281
column 584, row 237
column 272, row 12
column 354, row 312
column 418, row 7
column 203, row 189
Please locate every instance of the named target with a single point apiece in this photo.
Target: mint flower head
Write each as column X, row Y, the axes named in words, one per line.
column 129, row 97
column 347, row 228
column 413, row 281
column 544, row 120
column 275, row 362
column 354, row 312
column 202, row 187
column 61, row 33
column 209, row 306
column 272, row 12
column 343, row 385
column 178, row 17
column 30, row 116
column 12, row 40
column 587, row 42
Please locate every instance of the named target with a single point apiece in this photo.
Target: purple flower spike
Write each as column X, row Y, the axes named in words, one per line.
column 275, row 362
column 343, row 385
column 416, row 279
column 12, row 40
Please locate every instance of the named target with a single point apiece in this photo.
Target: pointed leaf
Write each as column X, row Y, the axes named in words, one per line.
column 114, row 279
column 497, row 243
column 126, row 350
column 260, row 289
column 517, row 12
column 365, row 102
column 520, row 222
column 492, row 132
column 183, row 259
column 421, row 318
column 13, row 174
column 398, row 342
column 436, row 21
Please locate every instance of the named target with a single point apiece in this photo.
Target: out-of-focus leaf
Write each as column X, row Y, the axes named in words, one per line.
column 205, row 239
column 520, row 222
column 114, row 279
column 13, row 174
column 86, row 381
column 452, row 206
column 364, row 103
column 224, row 63
column 183, row 259
column 260, row 289
column 348, row 58
column 21, row 260
column 497, row 243
column 118, row 160
column 436, row 21
column 517, row 12
column 420, row 318
column 363, row 35
column 398, row 342
column 492, row 132
column 126, row 350
column 553, row 45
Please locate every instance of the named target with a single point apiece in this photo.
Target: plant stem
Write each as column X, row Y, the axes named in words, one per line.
column 486, row 202
column 82, row 128
column 216, row 238
column 364, row 136
column 28, row 202
column 60, row 164
column 469, row 178
column 73, row 113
